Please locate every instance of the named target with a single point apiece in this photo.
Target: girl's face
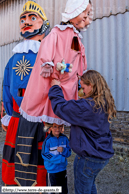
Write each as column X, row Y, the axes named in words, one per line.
column 82, row 20
column 86, row 88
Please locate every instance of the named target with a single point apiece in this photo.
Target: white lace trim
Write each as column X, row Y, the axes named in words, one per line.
column 5, row 120
column 27, row 45
column 85, row 71
column 63, row 27
column 43, row 118
column 50, row 63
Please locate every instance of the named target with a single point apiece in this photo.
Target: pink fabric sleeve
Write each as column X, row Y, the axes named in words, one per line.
column 83, row 61
column 47, row 49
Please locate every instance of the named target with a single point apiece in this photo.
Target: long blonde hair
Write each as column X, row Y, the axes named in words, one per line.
column 100, row 92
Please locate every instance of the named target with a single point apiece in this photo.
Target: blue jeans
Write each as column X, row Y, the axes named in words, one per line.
column 85, row 172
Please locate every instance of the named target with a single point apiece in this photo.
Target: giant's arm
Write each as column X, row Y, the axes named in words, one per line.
column 7, row 97
column 46, row 54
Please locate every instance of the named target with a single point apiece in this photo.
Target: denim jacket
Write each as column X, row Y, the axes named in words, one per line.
column 90, row 134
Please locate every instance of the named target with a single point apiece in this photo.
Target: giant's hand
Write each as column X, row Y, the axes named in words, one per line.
column 46, row 70
column 4, row 127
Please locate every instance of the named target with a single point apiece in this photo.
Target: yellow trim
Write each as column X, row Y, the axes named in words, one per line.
column 26, row 137
column 25, row 179
column 23, row 153
column 41, row 168
column 34, row 7
column 28, row 165
column 35, row 183
column 23, row 164
column 22, row 67
column 9, row 142
column 8, row 165
column 15, row 179
column 24, row 145
column 26, row 172
column 17, row 182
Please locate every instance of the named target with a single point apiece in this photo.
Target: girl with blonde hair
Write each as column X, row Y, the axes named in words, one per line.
column 90, row 136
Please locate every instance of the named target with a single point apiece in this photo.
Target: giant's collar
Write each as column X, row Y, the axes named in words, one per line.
column 27, row 45
column 63, row 27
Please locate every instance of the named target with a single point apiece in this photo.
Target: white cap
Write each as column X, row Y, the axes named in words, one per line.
column 75, row 7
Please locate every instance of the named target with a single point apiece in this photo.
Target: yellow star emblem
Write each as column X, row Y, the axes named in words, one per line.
column 22, row 67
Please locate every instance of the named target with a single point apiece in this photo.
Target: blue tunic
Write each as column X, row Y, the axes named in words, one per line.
column 16, row 76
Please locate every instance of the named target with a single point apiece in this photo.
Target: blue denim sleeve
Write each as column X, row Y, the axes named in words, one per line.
column 71, row 111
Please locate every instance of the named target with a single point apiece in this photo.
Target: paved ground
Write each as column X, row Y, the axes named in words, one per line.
column 113, row 179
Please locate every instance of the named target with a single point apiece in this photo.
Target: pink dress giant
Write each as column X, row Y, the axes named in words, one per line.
column 62, row 43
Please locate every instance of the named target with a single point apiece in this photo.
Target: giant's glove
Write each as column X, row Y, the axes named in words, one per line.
column 5, row 121
column 46, row 70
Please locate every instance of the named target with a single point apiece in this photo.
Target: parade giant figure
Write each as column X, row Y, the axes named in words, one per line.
column 34, row 26
column 62, row 46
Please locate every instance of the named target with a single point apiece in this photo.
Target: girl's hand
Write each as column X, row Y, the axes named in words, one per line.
column 55, row 82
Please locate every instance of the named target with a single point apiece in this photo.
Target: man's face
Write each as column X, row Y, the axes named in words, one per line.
column 29, row 22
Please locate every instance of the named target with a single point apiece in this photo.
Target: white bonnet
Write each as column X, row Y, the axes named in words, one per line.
column 74, row 7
